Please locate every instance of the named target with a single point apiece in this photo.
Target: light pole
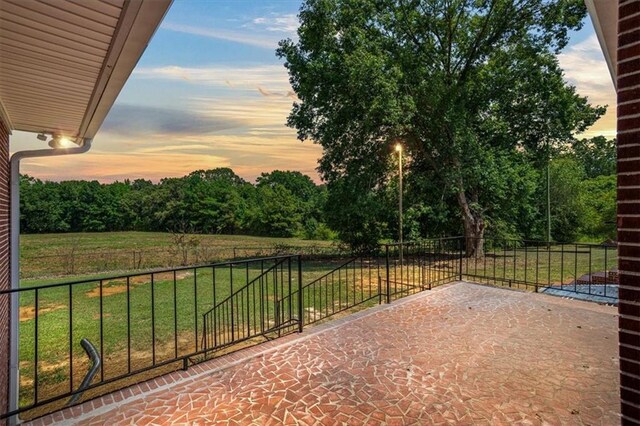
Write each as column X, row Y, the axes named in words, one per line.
column 399, row 150
column 548, row 199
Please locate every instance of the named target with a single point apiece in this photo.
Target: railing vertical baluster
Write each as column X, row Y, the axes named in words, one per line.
column 549, row 265
column 253, row 306
column 326, row 294
column 290, row 295
column 514, row 260
column 526, row 264
column 354, row 278
column 231, row 299
column 537, row 264
column 153, row 321
column 460, row 260
column 195, row 304
column 388, row 276
column 575, row 269
column 248, row 302
column 561, row 266
column 300, row 296
column 339, row 291
column 128, row 324
column 101, row 335
column 590, row 271
column 214, row 319
column 606, row 271
column 276, row 306
column 283, row 306
column 70, row 338
column 262, row 300
column 175, row 315
column 504, row 261
column 35, row 345
column 495, row 261
column 475, row 259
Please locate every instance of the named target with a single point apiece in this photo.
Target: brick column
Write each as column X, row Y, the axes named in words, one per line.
column 629, row 207
column 4, row 266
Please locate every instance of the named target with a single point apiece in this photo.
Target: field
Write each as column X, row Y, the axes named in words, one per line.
column 139, row 319
column 56, row 255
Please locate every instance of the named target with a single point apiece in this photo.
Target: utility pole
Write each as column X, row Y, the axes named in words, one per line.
column 548, row 198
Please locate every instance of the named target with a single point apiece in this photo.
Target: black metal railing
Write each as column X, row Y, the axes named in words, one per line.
column 262, row 307
column 554, row 268
column 417, row 266
column 353, row 283
column 138, row 323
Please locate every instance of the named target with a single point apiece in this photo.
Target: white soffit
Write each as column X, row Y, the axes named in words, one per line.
column 604, row 15
column 63, row 62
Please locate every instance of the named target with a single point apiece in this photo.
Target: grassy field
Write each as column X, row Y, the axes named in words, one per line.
column 55, row 255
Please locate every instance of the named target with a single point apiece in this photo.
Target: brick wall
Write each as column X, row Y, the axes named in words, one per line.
column 629, row 207
column 4, row 265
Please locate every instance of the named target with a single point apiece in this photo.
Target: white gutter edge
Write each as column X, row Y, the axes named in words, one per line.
column 597, row 25
column 14, row 373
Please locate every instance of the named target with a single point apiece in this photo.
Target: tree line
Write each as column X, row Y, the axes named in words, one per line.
column 288, row 203
column 217, row 201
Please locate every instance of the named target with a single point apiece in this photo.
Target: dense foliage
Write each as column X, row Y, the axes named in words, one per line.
column 472, row 89
column 280, row 204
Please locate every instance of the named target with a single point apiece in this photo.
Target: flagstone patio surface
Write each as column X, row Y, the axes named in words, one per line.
column 459, row 354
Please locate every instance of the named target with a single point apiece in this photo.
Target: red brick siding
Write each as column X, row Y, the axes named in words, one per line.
column 4, row 266
column 629, row 207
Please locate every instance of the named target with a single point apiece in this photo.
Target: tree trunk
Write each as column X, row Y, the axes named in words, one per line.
column 473, row 227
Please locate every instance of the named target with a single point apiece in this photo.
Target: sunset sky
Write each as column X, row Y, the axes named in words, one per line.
column 210, row 92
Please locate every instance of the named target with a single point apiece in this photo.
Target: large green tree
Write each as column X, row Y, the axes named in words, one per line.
column 467, row 86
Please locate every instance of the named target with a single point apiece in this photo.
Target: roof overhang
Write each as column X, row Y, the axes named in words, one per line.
column 604, row 15
column 64, row 62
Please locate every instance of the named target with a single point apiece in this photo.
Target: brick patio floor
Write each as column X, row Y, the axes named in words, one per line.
column 459, row 354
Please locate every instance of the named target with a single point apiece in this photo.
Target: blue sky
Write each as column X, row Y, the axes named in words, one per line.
column 210, row 92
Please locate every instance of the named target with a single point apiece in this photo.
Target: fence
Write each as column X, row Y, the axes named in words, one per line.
column 76, row 262
column 556, row 268
column 149, row 323
column 137, row 322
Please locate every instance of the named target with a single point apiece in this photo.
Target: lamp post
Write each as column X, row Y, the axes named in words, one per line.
column 548, row 198
column 399, row 151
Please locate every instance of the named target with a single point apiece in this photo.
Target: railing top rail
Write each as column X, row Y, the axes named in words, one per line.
column 148, row 272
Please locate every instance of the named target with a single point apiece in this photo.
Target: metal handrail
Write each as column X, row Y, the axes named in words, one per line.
column 235, row 293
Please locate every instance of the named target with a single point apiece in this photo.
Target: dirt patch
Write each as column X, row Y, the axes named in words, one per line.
column 107, row 291
column 28, row 313
column 116, row 287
